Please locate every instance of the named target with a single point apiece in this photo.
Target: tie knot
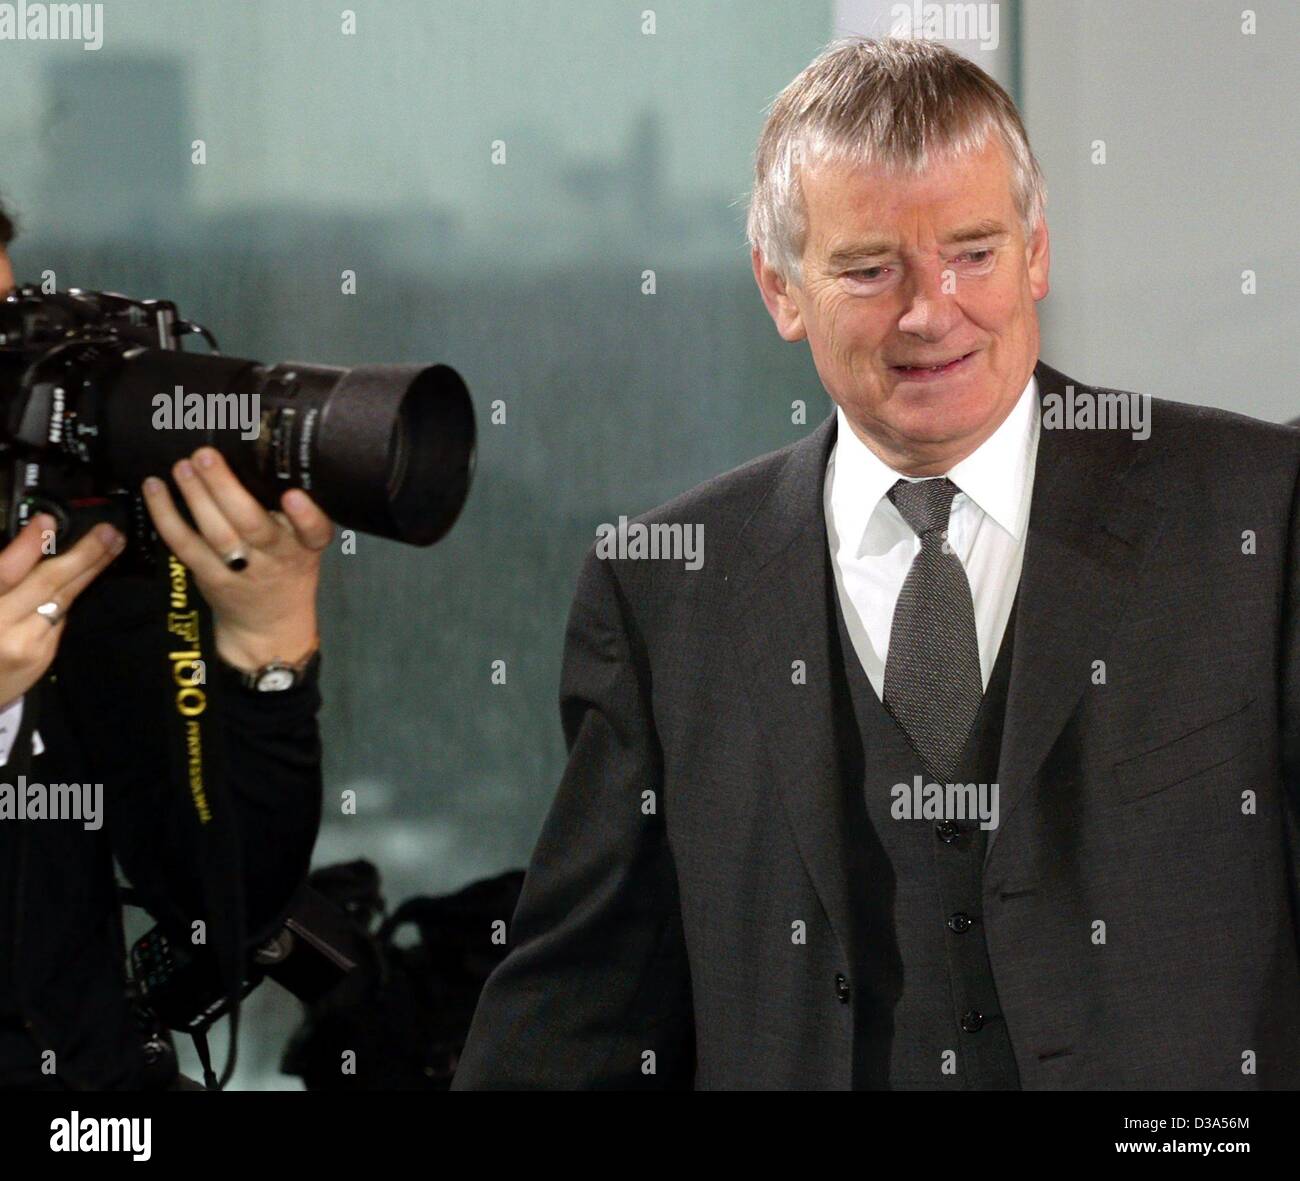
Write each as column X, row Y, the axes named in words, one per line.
column 924, row 504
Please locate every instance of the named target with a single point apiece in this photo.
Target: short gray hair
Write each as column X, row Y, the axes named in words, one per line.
column 896, row 103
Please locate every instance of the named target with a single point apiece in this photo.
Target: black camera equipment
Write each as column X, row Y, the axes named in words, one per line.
column 87, row 377
column 408, row 1022
column 177, row 986
column 402, row 1005
column 96, row 394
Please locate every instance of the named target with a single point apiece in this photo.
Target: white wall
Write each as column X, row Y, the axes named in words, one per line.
column 1199, row 185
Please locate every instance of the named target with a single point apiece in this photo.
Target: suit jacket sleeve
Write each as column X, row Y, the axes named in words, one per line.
column 594, row 991
column 1290, row 687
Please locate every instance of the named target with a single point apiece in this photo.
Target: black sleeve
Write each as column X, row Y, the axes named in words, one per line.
column 1289, row 689
column 596, row 979
column 271, row 758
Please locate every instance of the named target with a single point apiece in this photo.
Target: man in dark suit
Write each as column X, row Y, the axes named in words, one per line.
column 970, row 757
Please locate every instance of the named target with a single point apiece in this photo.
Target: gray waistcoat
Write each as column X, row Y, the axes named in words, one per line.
column 929, row 1000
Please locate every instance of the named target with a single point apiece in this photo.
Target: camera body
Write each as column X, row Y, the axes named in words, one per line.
column 57, row 351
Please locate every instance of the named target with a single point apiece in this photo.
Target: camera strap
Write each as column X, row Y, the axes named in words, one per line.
column 184, row 653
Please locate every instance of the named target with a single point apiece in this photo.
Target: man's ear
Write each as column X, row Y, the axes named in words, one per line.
column 780, row 305
column 1038, row 253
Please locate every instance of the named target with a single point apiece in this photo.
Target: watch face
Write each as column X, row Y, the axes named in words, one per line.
column 275, row 680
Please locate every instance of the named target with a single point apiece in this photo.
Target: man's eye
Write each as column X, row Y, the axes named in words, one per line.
column 978, row 255
column 868, row 274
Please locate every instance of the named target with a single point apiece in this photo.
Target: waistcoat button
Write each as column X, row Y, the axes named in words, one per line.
column 947, row 831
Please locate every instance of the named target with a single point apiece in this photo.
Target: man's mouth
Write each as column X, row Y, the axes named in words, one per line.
column 925, row 372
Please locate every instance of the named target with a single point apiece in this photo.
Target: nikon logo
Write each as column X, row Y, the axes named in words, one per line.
column 56, row 418
column 53, row 22
column 179, row 411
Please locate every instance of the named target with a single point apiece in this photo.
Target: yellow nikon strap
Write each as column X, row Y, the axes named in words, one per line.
column 192, row 702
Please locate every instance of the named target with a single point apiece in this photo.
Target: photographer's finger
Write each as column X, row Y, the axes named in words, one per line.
column 19, row 557
column 183, row 541
column 214, row 527
column 67, row 594
column 37, row 636
column 237, row 505
column 51, row 579
column 313, row 528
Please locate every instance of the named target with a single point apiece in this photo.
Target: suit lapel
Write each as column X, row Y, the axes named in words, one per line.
column 778, row 615
column 1088, row 529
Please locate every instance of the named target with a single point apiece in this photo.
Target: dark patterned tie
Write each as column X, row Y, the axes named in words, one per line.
column 933, row 685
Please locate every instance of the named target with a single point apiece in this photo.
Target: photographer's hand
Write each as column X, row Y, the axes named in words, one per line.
column 29, row 641
column 267, row 610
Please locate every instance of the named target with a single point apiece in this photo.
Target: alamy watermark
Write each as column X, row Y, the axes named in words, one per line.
column 102, row 1133
column 179, row 411
column 920, row 800
column 1104, row 410
column 661, row 541
column 53, row 22
column 53, row 801
column 946, row 22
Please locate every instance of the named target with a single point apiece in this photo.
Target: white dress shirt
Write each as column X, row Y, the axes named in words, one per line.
column 872, row 547
column 11, row 717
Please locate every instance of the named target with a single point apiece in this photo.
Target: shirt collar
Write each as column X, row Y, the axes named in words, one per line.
column 997, row 476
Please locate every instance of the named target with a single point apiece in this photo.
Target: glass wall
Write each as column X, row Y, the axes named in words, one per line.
column 548, row 196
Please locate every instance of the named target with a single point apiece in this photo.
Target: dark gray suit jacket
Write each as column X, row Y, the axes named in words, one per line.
column 1140, row 894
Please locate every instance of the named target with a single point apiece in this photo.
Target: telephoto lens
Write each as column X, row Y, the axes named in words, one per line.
column 384, row 449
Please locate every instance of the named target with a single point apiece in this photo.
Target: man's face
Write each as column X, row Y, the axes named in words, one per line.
column 903, row 272
column 6, row 273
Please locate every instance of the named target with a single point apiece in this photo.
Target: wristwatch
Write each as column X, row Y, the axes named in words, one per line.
column 279, row 675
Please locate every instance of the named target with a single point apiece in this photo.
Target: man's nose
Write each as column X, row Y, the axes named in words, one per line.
column 930, row 309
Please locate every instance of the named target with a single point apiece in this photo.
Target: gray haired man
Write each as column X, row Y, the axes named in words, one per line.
column 970, row 758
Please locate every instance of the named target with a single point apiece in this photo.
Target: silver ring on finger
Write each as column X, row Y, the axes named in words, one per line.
column 235, row 559
column 50, row 611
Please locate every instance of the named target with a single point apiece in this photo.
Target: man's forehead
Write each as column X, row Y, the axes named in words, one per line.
column 989, row 161
column 959, row 198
